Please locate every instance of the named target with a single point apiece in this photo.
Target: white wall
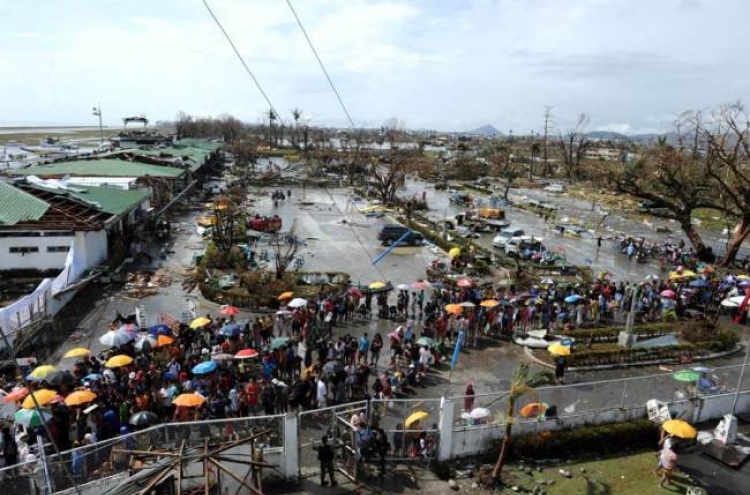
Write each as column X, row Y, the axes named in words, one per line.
column 91, row 245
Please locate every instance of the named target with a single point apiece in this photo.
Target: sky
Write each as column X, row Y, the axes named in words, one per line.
column 632, row 65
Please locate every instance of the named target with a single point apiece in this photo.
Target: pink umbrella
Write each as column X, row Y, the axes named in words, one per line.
column 668, row 293
column 418, row 285
column 353, row 291
column 465, row 282
column 395, row 336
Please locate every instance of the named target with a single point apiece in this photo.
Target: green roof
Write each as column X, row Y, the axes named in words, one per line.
column 199, row 143
column 18, row 206
column 100, row 168
column 112, row 200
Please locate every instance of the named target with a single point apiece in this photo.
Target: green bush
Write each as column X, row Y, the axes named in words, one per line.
column 591, row 440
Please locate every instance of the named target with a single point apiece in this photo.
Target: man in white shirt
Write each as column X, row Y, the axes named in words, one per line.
column 322, row 393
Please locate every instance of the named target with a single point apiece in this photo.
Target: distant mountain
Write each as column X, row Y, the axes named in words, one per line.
column 485, row 130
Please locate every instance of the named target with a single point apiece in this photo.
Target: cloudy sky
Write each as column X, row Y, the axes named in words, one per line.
column 633, row 65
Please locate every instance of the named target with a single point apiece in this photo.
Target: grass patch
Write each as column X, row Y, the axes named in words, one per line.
column 711, row 219
column 630, row 475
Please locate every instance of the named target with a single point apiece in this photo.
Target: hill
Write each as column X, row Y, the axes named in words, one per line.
column 485, row 130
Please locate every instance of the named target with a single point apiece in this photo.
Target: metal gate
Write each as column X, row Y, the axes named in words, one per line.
column 311, row 427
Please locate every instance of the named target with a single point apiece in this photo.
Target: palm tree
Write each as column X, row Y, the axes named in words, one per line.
column 521, row 385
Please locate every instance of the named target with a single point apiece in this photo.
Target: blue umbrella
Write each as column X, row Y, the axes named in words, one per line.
column 160, row 329
column 93, row 377
column 572, row 298
column 231, row 330
column 699, row 283
column 205, row 368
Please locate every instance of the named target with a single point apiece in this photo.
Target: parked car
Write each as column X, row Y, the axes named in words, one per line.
column 505, row 235
column 393, row 232
column 525, row 246
column 555, row 188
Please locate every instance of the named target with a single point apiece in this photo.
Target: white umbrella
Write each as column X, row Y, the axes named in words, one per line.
column 283, row 312
column 733, row 302
column 402, row 287
column 116, row 338
column 149, row 341
column 652, row 277
column 479, row 413
column 297, row 302
column 467, row 304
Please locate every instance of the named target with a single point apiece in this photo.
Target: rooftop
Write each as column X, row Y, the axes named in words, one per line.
column 19, row 206
column 101, row 168
column 112, row 200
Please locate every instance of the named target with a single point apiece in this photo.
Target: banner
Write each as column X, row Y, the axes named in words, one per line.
column 457, row 349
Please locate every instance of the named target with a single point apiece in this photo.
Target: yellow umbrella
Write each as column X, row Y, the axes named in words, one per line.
column 80, row 397
column 559, row 350
column 118, row 361
column 201, row 321
column 41, row 372
column 454, row 253
column 376, row 285
column 285, row 295
column 414, row 417
column 489, row 303
column 742, row 277
column 189, row 400
column 679, row 428
column 43, row 397
column 77, row 352
column 453, row 309
column 682, row 274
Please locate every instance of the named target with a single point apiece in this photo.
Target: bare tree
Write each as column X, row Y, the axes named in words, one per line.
column 246, row 155
column 387, row 178
column 574, row 145
column 230, row 225
column 284, row 248
column 503, row 165
column 181, row 124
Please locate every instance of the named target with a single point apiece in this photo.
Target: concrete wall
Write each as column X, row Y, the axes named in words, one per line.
column 91, row 245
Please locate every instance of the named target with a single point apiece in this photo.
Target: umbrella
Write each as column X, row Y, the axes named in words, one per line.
column 60, row 378
column 395, row 336
column 465, row 282
column 700, row 283
column 160, row 329
column 743, row 284
column 651, row 278
column 229, row 310
column 679, row 428
column 41, row 372
column 205, row 368
column 489, row 303
column 453, row 309
column 415, row 417
column 77, row 352
column 353, row 291
column 143, row 418
column 43, row 397
column 454, row 253
column 742, row 277
column 199, row 322
column 189, row 400
column 31, row 418
column 116, row 338
column 16, row 394
column 129, row 327
column 377, row 285
column 333, row 367
column 93, row 377
column 402, row 287
column 533, row 410
column 164, row 340
column 80, row 397
column 479, row 413
column 558, row 349
column 146, row 343
column 221, row 356
column 686, row 376
column 118, row 361
column 285, row 295
column 573, row 298
column 419, row 285
column 733, row 302
column 681, row 274
column 246, row 354
column 297, row 303
column 547, row 281
column 231, row 330
column 667, row 293
column 426, row 341
column 467, row 304
column 279, row 342
column 283, row 312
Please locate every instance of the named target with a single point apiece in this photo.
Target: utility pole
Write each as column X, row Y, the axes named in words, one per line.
column 547, row 119
column 97, row 112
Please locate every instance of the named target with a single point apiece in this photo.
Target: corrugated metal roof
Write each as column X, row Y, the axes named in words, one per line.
column 112, row 200
column 19, row 206
column 100, row 168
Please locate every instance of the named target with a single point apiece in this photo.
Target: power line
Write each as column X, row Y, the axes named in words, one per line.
column 242, row 60
column 320, row 62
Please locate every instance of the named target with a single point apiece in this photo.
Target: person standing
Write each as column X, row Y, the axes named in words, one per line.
column 375, row 347
column 325, row 457
column 560, row 364
column 363, row 348
column 668, row 464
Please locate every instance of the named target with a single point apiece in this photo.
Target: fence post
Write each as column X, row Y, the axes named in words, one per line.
column 446, row 429
column 291, row 446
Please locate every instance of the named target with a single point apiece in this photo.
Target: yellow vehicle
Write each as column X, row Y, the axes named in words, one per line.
column 493, row 213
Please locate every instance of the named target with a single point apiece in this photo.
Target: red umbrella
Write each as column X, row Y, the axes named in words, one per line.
column 465, row 282
column 229, row 310
column 246, row 354
column 353, row 291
